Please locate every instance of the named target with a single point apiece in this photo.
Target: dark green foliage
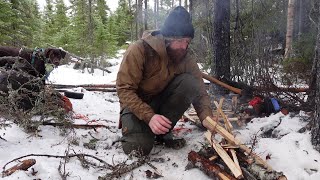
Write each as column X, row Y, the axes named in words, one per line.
column 21, row 24
column 120, row 22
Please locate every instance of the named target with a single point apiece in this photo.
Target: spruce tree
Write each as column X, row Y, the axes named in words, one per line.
column 6, row 17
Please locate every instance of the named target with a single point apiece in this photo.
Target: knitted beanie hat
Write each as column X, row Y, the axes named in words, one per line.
column 178, row 24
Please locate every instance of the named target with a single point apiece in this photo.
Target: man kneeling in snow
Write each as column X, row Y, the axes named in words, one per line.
column 157, row 81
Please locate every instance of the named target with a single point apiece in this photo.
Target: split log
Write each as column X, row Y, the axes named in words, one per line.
column 229, row 128
column 23, row 165
column 225, row 118
column 224, row 156
column 212, row 170
column 213, row 126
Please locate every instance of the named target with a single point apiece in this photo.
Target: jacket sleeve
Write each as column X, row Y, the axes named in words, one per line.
column 129, row 76
column 202, row 102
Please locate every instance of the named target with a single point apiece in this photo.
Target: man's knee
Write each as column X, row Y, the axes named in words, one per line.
column 136, row 134
column 188, row 83
column 140, row 144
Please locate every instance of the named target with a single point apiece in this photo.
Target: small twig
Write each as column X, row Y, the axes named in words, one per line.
column 154, row 168
column 3, row 139
column 57, row 156
column 77, row 126
column 123, row 168
column 63, row 174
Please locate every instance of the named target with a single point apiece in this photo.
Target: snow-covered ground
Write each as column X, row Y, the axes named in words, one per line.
column 291, row 152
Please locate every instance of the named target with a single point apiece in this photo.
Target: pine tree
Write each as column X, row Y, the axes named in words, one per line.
column 79, row 26
column 105, row 41
column 122, row 19
column 36, row 26
column 62, row 38
column 49, row 28
column 102, row 9
column 6, row 17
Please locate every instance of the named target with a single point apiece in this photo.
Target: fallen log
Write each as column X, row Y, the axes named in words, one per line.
column 102, row 89
column 23, row 165
column 212, row 170
column 61, row 86
column 257, row 171
column 239, row 91
column 76, row 126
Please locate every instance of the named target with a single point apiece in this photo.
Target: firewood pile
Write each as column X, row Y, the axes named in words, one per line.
column 230, row 158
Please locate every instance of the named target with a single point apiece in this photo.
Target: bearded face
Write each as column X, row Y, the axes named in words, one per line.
column 177, row 49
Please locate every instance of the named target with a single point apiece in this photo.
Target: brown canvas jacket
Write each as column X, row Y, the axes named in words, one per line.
column 143, row 75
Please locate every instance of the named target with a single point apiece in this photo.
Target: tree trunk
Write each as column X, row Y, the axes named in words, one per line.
column 191, row 8
column 145, row 14
column 131, row 23
column 221, row 48
column 156, row 14
column 288, row 50
column 179, row 2
column 90, row 30
column 140, row 18
column 315, row 131
column 136, row 18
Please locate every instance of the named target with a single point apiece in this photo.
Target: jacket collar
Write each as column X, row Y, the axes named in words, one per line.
column 156, row 41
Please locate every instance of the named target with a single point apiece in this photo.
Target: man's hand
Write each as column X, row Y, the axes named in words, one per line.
column 159, row 124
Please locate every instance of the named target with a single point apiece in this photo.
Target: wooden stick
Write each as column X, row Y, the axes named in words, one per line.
column 215, row 127
column 23, row 165
column 229, row 128
column 212, row 158
column 212, row 170
column 220, row 83
column 224, row 156
column 225, row 118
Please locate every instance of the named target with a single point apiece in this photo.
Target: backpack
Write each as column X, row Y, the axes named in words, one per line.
column 271, row 105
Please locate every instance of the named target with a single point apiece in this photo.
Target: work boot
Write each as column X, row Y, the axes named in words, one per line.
column 170, row 142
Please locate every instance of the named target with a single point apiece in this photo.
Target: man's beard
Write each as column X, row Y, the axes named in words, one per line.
column 176, row 55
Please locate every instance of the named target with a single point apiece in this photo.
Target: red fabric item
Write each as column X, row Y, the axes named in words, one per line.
column 256, row 100
column 67, row 105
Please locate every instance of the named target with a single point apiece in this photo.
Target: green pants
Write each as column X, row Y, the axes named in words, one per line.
column 172, row 102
